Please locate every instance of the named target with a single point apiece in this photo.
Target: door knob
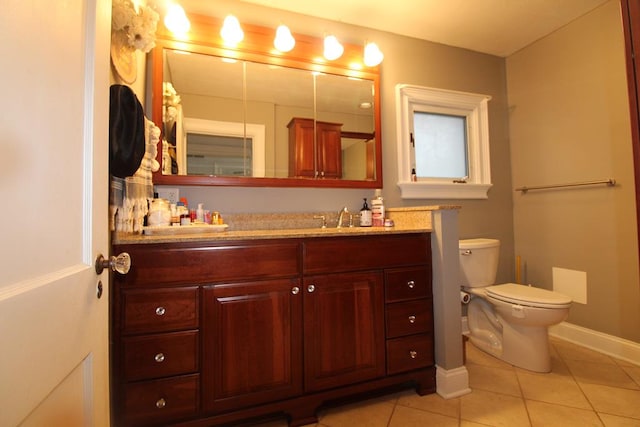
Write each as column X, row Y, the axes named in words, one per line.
column 120, row 264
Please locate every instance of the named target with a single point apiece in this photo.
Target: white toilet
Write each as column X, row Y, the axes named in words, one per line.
column 509, row 321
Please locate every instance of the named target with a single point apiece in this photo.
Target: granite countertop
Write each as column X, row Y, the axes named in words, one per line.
column 129, row 238
column 296, row 225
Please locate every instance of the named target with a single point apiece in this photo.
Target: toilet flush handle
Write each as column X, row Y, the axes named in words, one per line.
column 467, row 252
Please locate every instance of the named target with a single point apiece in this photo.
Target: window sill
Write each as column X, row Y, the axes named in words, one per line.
column 448, row 190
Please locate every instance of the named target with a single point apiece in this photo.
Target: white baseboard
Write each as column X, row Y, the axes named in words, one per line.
column 453, row 382
column 619, row 348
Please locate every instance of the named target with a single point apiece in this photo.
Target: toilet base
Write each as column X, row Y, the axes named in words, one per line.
column 521, row 346
column 524, row 346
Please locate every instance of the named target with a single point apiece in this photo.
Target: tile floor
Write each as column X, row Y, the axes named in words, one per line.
column 585, row 388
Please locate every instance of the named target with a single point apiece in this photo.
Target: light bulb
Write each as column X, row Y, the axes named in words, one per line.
column 372, row 55
column 284, row 40
column 332, row 48
column 176, row 20
column 231, row 31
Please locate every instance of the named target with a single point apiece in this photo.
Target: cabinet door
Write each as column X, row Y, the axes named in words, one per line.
column 252, row 345
column 301, row 148
column 343, row 329
column 329, row 150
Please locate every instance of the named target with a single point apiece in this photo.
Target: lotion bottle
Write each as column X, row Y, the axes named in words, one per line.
column 377, row 209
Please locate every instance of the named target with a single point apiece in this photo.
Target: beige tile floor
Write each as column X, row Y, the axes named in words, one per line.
column 585, row 388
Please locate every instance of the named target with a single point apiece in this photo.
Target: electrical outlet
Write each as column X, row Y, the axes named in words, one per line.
column 171, row 194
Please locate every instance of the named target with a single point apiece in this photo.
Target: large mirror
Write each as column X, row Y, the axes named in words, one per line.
column 231, row 117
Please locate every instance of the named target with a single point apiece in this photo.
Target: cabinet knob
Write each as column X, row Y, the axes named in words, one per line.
column 161, row 403
column 413, row 354
column 412, row 319
column 311, row 288
column 159, row 357
column 160, row 311
column 411, row 284
column 295, row 290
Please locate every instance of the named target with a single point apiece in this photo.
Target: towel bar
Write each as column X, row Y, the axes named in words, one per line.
column 610, row 182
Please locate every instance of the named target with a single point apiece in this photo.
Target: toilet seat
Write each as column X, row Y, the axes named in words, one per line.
column 527, row 296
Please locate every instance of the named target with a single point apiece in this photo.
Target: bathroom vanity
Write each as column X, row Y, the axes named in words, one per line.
column 216, row 330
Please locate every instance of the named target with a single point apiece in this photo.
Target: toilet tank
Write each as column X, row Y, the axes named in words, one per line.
column 478, row 262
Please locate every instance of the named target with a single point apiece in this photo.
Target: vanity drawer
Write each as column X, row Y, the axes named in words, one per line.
column 403, row 284
column 160, row 402
column 159, row 310
column 408, row 353
column 198, row 263
column 160, row 355
column 337, row 254
column 410, row 317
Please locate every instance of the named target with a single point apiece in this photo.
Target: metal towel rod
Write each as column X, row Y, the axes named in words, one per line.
column 610, row 182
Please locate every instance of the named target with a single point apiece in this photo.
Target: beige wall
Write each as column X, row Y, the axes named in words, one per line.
column 570, row 122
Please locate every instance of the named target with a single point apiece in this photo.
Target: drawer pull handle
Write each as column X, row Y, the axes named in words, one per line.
column 159, row 357
column 412, row 319
column 311, row 288
column 411, row 284
column 413, row 354
column 295, row 290
column 160, row 311
column 161, row 403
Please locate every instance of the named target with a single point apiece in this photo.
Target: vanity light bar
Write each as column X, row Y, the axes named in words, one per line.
column 232, row 34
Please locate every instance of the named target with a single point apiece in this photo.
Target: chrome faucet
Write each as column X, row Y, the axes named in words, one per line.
column 344, row 211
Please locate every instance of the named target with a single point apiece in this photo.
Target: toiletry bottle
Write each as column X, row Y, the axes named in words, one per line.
column 175, row 215
column 377, row 210
column 183, row 211
column 200, row 213
column 414, row 177
column 365, row 215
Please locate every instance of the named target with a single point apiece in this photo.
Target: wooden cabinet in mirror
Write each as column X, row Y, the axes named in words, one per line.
column 225, row 113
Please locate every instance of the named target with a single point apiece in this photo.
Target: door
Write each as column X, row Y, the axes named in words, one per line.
column 631, row 26
column 343, row 329
column 302, row 160
column 329, row 149
column 54, row 187
column 254, row 354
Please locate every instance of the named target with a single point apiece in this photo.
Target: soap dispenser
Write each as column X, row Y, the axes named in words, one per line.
column 365, row 215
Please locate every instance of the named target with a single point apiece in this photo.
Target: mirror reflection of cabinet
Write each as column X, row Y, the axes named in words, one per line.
column 263, row 90
column 315, row 148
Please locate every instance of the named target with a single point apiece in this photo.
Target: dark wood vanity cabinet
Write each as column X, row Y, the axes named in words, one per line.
column 213, row 333
column 320, row 159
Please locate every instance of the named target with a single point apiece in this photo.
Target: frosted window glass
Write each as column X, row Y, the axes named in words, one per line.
column 440, row 145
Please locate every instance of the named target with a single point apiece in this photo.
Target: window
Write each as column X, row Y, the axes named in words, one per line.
column 444, row 136
column 219, row 155
column 224, row 148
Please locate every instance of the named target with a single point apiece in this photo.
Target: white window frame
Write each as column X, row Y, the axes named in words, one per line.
column 255, row 132
column 474, row 107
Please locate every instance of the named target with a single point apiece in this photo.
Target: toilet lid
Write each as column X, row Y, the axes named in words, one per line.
column 528, row 296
